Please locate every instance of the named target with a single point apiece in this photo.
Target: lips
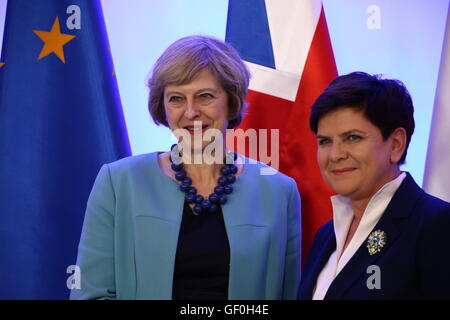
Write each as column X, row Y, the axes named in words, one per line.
column 344, row 171
column 191, row 129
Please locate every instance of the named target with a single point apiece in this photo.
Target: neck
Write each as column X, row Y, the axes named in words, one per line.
column 359, row 206
column 204, row 167
column 203, row 172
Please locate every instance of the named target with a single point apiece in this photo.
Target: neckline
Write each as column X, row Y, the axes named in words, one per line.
column 161, row 171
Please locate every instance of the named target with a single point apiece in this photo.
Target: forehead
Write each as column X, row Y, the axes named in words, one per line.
column 202, row 80
column 344, row 119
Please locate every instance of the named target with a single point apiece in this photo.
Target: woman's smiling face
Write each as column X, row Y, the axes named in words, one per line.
column 203, row 101
column 353, row 157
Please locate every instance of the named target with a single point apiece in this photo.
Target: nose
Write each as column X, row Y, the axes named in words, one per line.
column 191, row 112
column 337, row 152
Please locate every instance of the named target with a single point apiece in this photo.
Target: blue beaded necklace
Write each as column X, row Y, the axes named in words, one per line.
column 219, row 196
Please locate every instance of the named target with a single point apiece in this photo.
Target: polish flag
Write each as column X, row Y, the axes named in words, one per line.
column 437, row 173
column 287, row 48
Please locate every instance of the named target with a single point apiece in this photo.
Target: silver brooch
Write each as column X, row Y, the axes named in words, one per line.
column 376, row 241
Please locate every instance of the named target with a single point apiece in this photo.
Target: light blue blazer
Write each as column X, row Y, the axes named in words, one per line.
column 130, row 233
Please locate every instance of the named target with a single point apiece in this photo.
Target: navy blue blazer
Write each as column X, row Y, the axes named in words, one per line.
column 414, row 263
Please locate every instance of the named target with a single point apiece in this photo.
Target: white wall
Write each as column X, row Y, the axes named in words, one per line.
column 138, row 33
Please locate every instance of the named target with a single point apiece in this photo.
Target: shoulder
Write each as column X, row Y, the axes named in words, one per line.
column 434, row 204
column 131, row 164
column 423, row 208
column 428, row 215
column 130, row 170
column 434, row 212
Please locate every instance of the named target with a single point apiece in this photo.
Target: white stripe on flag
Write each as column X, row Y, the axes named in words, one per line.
column 273, row 82
column 292, row 25
column 437, row 171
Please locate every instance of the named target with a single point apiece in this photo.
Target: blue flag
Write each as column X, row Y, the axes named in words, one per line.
column 248, row 31
column 60, row 120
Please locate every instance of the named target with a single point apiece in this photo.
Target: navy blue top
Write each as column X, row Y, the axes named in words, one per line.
column 202, row 260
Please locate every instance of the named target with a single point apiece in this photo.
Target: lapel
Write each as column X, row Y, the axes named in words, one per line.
column 156, row 229
column 247, row 235
column 392, row 223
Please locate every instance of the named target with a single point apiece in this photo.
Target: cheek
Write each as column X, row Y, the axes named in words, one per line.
column 222, row 109
column 372, row 157
column 171, row 115
column 219, row 115
column 321, row 158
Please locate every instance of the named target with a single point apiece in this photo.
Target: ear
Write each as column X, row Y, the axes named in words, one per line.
column 398, row 145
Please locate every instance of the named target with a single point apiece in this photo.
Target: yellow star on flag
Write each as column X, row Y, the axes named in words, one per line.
column 53, row 41
column 2, row 64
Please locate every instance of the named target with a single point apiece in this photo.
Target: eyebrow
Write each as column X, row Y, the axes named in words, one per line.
column 344, row 134
column 196, row 92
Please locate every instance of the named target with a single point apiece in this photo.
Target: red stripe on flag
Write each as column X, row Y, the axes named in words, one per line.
column 300, row 161
column 298, row 145
column 266, row 112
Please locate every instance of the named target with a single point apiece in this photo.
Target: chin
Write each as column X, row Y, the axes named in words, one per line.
column 342, row 189
column 200, row 148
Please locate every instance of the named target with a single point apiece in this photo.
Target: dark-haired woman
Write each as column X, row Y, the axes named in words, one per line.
column 388, row 238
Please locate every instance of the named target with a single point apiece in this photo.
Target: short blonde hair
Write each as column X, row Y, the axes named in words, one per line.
column 182, row 61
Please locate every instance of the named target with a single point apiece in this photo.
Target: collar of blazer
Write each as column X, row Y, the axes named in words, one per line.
column 392, row 221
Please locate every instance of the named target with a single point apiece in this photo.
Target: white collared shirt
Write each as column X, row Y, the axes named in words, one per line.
column 342, row 219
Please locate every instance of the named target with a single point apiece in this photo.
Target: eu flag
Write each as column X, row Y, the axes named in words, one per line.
column 60, row 120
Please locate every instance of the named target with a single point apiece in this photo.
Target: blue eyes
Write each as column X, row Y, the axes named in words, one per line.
column 323, row 141
column 354, row 137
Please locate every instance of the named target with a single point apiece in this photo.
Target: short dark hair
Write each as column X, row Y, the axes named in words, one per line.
column 386, row 103
column 185, row 58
